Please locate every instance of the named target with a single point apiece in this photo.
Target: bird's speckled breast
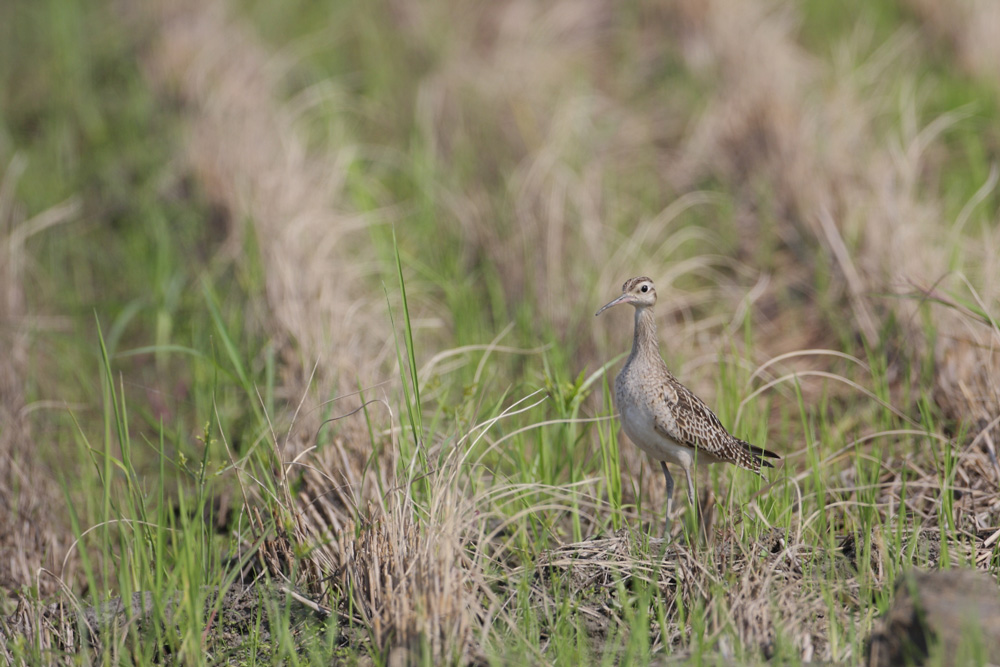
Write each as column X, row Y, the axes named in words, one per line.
column 639, row 424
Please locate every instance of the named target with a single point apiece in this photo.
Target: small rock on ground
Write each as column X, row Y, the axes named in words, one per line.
column 944, row 613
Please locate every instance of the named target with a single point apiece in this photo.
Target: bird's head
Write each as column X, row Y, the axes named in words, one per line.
column 637, row 291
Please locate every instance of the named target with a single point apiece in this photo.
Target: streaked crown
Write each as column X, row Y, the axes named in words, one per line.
column 632, row 283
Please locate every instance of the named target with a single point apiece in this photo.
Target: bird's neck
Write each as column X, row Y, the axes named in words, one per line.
column 644, row 341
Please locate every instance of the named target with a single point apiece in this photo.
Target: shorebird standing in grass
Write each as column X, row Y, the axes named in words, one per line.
column 662, row 416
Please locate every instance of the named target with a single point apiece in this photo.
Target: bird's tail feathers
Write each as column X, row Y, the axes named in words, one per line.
column 753, row 458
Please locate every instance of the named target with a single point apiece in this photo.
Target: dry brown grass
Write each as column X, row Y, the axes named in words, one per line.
column 413, row 586
column 244, row 147
column 968, row 28
column 33, row 530
column 407, row 576
column 967, row 357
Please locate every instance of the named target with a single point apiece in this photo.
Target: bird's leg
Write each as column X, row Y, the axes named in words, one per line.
column 670, row 498
column 691, row 496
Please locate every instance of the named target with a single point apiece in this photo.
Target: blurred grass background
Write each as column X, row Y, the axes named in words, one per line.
column 232, row 197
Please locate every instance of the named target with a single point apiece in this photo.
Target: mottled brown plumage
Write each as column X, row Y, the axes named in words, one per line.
column 662, row 416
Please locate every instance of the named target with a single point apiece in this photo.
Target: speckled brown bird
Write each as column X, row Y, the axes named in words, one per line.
column 662, row 416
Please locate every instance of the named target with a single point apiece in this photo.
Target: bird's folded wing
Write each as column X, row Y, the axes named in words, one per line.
column 686, row 420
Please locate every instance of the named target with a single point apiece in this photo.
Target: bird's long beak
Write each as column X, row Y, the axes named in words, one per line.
column 624, row 298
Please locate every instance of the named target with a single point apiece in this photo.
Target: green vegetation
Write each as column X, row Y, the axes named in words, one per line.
column 370, row 419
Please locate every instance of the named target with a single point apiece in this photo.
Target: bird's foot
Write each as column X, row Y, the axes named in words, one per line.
column 667, row 525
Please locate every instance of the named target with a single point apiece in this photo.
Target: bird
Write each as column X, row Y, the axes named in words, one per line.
column 660, row 415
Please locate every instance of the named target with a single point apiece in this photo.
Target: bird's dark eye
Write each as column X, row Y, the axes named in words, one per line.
column 645, row 288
